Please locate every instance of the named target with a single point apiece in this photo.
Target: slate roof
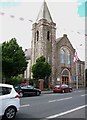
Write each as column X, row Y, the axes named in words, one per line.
column 44, row 13
column 58, row 39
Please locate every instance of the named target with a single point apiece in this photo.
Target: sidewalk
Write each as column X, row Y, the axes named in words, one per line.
column 47, row 92
column 50, row 91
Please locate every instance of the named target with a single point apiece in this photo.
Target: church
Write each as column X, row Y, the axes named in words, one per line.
column 59, row 52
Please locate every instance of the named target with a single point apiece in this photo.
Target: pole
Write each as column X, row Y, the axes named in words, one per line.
column 76, row 75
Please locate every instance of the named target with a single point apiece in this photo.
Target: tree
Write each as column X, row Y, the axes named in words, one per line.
column 13, row 59
column 0, row 63
column 86, row 77
column 41, row 70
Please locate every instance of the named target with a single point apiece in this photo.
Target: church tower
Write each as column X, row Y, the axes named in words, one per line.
column 44, row 38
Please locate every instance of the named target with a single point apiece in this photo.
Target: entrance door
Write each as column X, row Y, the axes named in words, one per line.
column 65, row 80
column 65, row 77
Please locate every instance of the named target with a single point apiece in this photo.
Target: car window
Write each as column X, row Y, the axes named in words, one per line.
column 57, row 86
column 64, row 85
column 0, row 91
column 24, row 87
column 30, row 87
column 27, row 87
column 17, row 88
column 5, row 90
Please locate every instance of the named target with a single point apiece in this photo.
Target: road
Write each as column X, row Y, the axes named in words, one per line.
column 54, row 105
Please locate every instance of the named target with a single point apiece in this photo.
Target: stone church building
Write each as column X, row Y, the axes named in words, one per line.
column 59, row 52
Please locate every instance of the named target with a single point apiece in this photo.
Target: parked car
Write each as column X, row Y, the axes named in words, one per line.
column 9, row 101
column 63, row 88
column 26, row 90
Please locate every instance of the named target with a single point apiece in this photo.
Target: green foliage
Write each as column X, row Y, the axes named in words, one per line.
column 51, row 87
column 40, row 59
column 0, row 53
column 86, row 77
column 13, row 59
column 34, row 82
column 0, row 63
column 86, row 73
column 41, row 69
column 15, row 80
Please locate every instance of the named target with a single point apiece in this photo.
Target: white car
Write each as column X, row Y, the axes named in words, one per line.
column 9, row 101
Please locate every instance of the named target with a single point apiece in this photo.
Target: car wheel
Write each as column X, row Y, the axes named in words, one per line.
column 63, row 91
column 37, row 93
column 21, row 94
column 70, row 90
column 10, row 113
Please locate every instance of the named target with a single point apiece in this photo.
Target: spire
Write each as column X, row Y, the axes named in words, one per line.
column 44, row 13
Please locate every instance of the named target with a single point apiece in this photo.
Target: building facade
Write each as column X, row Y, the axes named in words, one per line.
column 58, row 52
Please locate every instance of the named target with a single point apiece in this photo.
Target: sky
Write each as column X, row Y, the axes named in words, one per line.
column 17, row 17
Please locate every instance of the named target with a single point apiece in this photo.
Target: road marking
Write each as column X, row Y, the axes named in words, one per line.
column 59, row 99
column 83, row 94
column 64, row 113
column 25, row 105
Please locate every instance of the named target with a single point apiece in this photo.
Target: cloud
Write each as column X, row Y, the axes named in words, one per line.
column 82, row 8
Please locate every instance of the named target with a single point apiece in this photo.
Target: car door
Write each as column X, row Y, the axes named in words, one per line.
column 65, row 87
column 24, row 90
column 31, row 90
column 4, row 99
column 0, row 100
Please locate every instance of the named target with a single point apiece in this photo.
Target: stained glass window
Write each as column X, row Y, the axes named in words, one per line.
column 61, row 55
column 67, row 57
column 64, row 55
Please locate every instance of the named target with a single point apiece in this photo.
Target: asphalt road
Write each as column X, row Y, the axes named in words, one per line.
column 54, row 105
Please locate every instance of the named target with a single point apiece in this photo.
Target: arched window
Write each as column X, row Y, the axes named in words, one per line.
column 64, row 55
column 67, row 57
column 48, row 35
column 37, row 35
column 65, row 73
column 49, row 59
column 61, row 55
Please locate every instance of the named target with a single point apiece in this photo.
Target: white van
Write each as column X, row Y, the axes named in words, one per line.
column 9, row 101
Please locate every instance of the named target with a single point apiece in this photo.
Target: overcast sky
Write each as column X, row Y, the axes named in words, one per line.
column 16, row 18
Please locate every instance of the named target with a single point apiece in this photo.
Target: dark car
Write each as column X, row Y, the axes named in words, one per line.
column 26, row 90
column 63, row 88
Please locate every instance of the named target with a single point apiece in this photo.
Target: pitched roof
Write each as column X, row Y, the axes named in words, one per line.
column 58, row 39
column 44, row 13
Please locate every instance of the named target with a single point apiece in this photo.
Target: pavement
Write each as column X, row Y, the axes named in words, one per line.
column 51, row 91
column 46, row 92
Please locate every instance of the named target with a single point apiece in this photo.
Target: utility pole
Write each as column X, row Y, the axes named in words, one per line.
column 76, row 75
column 76, row 63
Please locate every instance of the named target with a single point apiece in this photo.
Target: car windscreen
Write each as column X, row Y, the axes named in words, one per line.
column 17, row 88
column 27, row 87
column 64, row 85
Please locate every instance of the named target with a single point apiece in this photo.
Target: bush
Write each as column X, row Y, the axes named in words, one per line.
column 86, row 77
column 15, row 80
column 51, row 87
column 34, row 82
